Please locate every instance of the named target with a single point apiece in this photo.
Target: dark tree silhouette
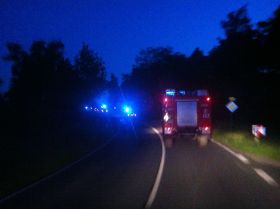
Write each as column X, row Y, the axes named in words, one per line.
column 114, row 90
column 1, row 83
column 91, row 71
column 270, row 33
column 41, row 86
column 197, row 72
column 35, row 74
column 17, row 56
column 236, row 54
column 230, row 69
column 1, row 95
column 155, row 69
column 235, row 58
column 237, row 22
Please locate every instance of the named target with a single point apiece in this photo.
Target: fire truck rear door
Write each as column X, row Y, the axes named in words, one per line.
column 186, row 113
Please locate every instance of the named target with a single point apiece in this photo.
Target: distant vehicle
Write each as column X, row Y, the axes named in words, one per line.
column 187, row 112
column 116, row 111
column 88, row 108
column 128, row 111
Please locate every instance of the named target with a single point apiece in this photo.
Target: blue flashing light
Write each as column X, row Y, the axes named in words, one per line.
column 104, row 106
column 182, row 92
column 170, row 92
column 88, row 107
column 127, row 109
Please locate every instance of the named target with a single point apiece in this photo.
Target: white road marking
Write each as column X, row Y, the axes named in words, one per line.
column 154, row 191
column 243, row 159
column 266, row 177
column 237, row 155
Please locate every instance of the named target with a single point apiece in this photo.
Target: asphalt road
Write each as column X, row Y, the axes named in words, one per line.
column 211, row 177
column 122, row 174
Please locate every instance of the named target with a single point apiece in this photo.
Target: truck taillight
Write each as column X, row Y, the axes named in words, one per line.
column 168, row 129
column 208, row 99
column 206, row 130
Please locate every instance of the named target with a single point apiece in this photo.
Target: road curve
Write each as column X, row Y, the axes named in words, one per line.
column 120, row 175
column 123, row 173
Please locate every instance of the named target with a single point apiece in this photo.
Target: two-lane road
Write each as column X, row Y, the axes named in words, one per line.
column 122, row 174
column 119, row 175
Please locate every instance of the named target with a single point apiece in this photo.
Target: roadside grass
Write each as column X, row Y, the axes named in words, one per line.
column 242, row 140
column 52, row 145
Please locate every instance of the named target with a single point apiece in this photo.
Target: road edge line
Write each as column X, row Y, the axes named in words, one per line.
column 237, row 155
column 66, row 167
column 261, row 173
column 154, row 190
column 267, row 178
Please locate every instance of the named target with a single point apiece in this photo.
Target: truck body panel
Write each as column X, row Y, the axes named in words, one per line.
column 187, row 111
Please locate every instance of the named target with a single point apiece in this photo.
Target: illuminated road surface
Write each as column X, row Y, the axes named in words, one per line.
column 211, row 177
column 122, row 174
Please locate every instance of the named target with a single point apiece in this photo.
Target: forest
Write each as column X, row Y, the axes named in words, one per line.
column 245, row 64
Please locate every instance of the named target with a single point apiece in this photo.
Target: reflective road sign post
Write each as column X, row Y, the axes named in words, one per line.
column 232, row 107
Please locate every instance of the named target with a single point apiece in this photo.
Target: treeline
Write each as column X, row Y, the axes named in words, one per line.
column 245, row 64
column 44, row 76
column 47, row 89
column 42, row 125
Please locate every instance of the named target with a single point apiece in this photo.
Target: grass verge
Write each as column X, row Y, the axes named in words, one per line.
column 243, row 141
column 51, row 146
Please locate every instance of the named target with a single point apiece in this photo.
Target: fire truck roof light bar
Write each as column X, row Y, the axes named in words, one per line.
column 173, row 92
column 170, row 92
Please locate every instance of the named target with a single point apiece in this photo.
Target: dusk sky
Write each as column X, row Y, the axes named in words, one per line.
column 118, row 29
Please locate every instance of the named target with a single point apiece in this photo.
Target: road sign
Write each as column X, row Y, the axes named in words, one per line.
column 232, row 106
column 258, row 130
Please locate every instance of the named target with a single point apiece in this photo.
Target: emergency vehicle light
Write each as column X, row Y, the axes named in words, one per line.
column 182, row 92
column 104, row 106
column 170, row 92
column 127, row 109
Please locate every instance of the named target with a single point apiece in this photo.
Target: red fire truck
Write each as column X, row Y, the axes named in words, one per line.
column 187, row 112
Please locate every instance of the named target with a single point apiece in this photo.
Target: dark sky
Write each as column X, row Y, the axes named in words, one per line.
column 118, row 29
